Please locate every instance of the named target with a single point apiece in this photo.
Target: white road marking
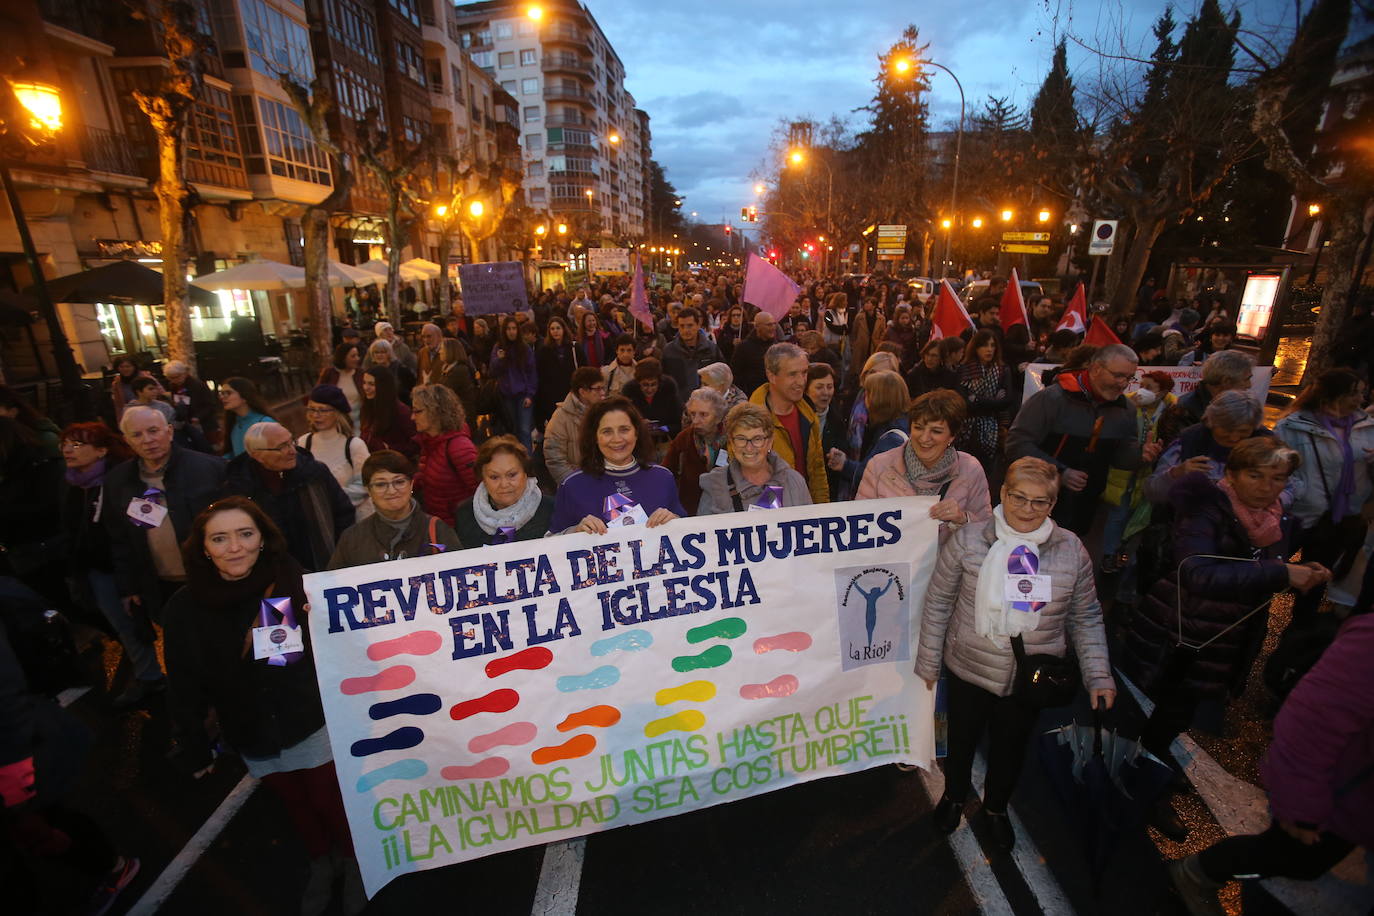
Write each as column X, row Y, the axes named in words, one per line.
column 1241, row 808
column 977, row 870
column 560, row 878
column 156, row 895
column 1027, row 857
column 71, row 695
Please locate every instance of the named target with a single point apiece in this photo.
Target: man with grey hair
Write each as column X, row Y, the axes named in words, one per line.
column 149, row 503
column 796, row 433
column 747, row 360
column 1231, row 418
column 1083, row 425
column 430, row 359
column 296, row 491
column 1224, row 370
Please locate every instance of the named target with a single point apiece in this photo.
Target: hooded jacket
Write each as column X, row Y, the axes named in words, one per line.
column 1322, row 453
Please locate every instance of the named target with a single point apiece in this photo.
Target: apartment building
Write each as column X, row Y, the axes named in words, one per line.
column 585, row 145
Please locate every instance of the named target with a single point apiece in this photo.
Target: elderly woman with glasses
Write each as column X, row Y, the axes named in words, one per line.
column 400, row 528
column 971, row 629
column 754, row 475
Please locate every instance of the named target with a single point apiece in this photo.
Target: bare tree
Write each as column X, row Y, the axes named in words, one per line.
column 169, row 110
column 397, row 166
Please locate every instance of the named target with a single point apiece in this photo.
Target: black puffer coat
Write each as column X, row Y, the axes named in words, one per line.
column 1216, row 593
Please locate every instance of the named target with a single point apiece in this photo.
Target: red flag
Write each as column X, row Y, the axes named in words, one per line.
column 1076, row 315
column 1013, row 305
column 949, row 318
column 1100, row 333
column 639, row 297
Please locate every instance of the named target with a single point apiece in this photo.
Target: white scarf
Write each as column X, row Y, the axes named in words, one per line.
column 514, row 516
column 993, row 617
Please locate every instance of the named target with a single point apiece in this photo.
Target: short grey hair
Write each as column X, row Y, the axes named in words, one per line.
column 717, row 374
column 133, row 413
column 431, row 325
column 1114, row 351
column 1233, row 410
column 1227, row 369
column 772, row 359
column 379, row 346
column 711, row 398
column 176, row 367
column 256, row 435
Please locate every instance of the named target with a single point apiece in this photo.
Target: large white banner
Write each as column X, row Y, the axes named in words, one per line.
column 1186, row 378
column 608, row 261
column 490, row 699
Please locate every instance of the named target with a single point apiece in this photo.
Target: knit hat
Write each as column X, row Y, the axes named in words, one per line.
column 332, row 395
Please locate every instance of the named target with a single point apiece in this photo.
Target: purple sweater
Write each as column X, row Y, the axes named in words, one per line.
column 584, row 494
column 1324, row 741
column 514, row 380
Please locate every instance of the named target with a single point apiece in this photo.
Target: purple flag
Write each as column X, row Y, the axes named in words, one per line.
column 769, row 288
column 639, row 296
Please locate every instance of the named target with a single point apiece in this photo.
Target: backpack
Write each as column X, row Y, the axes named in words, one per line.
column 348, row 447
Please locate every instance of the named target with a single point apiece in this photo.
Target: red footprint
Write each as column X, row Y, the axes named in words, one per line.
column 496, row 701
column 422, row 642
column 390, row 679
column 531, row 659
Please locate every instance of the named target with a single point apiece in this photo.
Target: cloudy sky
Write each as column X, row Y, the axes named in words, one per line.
column 716, row 76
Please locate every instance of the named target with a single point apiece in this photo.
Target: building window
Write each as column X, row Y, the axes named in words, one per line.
column 509, row 86
column 580, row 137
column 524, row 27
column 409, row 10
column 534, row 142
column 503, row 30
column 537, row 196
column 528, row 57
column 413, row 129
column 287, row 149
column 456, row 76
column 355, row 26
column 529, row 86
column 410, row 61
column 505, row 60
column 482, row 59
column 534, row 169
column 531, row 114
column 275, row 42
column 355, row 94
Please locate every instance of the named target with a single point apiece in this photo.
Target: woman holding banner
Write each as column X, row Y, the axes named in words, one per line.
column 1005, row 659
column 224, row 651
column 754, row 476
column 618, row 484
column 399, row 528
column 508, row 505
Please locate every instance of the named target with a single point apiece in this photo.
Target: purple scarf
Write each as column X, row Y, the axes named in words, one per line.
column 1345, row 487
column 91, row 476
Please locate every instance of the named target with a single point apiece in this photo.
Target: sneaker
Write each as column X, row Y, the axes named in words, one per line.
column 112, row 885
column 1199, row 892
column 139, row 692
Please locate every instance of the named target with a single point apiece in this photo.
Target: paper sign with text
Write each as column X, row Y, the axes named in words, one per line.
column 1186, row 378
column 485, row 700
column 493, row 288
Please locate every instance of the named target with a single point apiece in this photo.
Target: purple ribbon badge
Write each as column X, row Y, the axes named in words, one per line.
column 150, row 494
column 771, row 498
column 615, row 506
column 276, row 612
column 505, row 534
column 436, row 548
column 1024, row 562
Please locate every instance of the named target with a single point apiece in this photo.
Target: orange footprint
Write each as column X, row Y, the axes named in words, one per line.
column 591, row 717
column 577, row 746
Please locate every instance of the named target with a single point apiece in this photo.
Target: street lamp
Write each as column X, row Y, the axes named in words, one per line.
column 977, row 222
column 562, row 228
column 946, row 223
column 1313, row 209
column 1043, row 216
column 31, row 118
column 797, row 158
column 476, row 209
column 441, row 210
column 758, row 189
column 535, row 12
column 614, row 137
column 1007, row 215
column 958, row 142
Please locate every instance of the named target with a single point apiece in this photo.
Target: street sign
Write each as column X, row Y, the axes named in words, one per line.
column 1025, row 236
column 1021, row 248
column 891, row 242
column 892, row 229
column 1104, row 237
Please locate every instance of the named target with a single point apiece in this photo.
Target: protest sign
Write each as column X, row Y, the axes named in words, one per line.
column 493, row 288
column 1186, row 378
column 485, row 700
column 608, row 261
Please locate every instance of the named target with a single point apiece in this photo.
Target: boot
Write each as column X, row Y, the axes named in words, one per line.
column 948, row 813
column 1198, row 891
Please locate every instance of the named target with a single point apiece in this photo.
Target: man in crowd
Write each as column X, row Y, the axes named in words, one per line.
column 796, row 434
column 692, row 349
column 561, row 453
column 620, row 371
column 1226, row 370
column 298, row 492
column 149, row 504
column 1083, row 425
column 430, row 359
column 656, row 396
column 196, row 406
column 747, row 363
column 148, row 393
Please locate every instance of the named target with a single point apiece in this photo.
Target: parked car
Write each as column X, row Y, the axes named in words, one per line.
column 979, row 287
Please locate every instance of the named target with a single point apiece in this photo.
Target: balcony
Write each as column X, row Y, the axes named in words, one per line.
column 568, row 94
column 106, row 151
column 566, row 63
column 573, row 175
column 559, row 33
column 567, row 121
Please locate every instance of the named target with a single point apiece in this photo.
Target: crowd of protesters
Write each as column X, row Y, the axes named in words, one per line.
column 1165, row 521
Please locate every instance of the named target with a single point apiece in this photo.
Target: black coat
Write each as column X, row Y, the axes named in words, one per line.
column 554, row 367
column 1216, row 593
column 471, row 534
column 664, row 410
column 747, row 363
column 311, row 509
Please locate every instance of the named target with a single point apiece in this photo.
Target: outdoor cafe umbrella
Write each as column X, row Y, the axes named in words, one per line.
column 381, row 268
column 1107, row 782
column 261, row 275
column 428, row 268
column 119, row 282
column 341, row 274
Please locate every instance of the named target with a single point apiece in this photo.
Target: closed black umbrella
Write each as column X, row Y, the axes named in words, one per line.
column 122, row 281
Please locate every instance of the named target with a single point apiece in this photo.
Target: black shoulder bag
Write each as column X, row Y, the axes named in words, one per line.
column 1044, row 681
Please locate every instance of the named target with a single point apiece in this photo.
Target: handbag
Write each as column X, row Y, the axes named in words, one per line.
column 1339, row 540
column 1043, row 681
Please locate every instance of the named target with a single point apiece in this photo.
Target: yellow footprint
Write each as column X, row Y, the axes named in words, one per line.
column 692, row 691
column 689, row 720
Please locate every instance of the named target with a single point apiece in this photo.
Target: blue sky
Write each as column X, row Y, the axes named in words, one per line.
column 716, row 76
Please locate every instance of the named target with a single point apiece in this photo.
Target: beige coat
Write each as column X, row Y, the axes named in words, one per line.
column 562, row 455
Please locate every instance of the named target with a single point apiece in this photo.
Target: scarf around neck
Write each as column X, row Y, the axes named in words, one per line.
column 93, row 475
column 994, row 617
column 1263, row 526
column 1340, row 427
column 516, row 515
column 927, row 481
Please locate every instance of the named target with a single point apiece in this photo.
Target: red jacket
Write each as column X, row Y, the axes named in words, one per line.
column 446, row 477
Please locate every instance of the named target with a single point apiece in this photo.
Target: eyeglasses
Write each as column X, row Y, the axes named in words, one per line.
column 319, row 411
column 750, row 442
column 72, row 443
column 399, row 483
column 1018, row 501
column 285, row 448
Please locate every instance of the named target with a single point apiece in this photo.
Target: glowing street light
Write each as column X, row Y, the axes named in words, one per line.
column 43, row 103
column 1007, row 215
column 541, row 229
column 562, row 228
column 614, row 137
column 977, row 222
column 535, row 12
column 946, row 223
column 901, row 65
column 476, row 209
column 1043, row 216
column 796, row 157
column 1313, row 209
column 441, row 210
column 758, row 189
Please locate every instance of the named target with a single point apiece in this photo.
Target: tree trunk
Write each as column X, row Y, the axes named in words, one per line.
column 1346, row 220
column 445, row 290
column 1111, row 270
column 172, row 194
column 393, row 257
column 319, row 304
column 1133, row 265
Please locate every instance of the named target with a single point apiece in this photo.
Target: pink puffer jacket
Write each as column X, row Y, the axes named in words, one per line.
column 885, row 476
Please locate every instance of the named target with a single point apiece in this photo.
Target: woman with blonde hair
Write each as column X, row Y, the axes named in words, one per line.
column 331, row 441
column 885, row 410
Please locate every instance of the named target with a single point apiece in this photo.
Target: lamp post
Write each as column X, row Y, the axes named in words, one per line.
column 32, row 118
column 903, row 66
column 797, row 157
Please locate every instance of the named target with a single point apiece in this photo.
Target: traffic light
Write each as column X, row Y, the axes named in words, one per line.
column 753, row 213
column 744, row 214
column 727, row 230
